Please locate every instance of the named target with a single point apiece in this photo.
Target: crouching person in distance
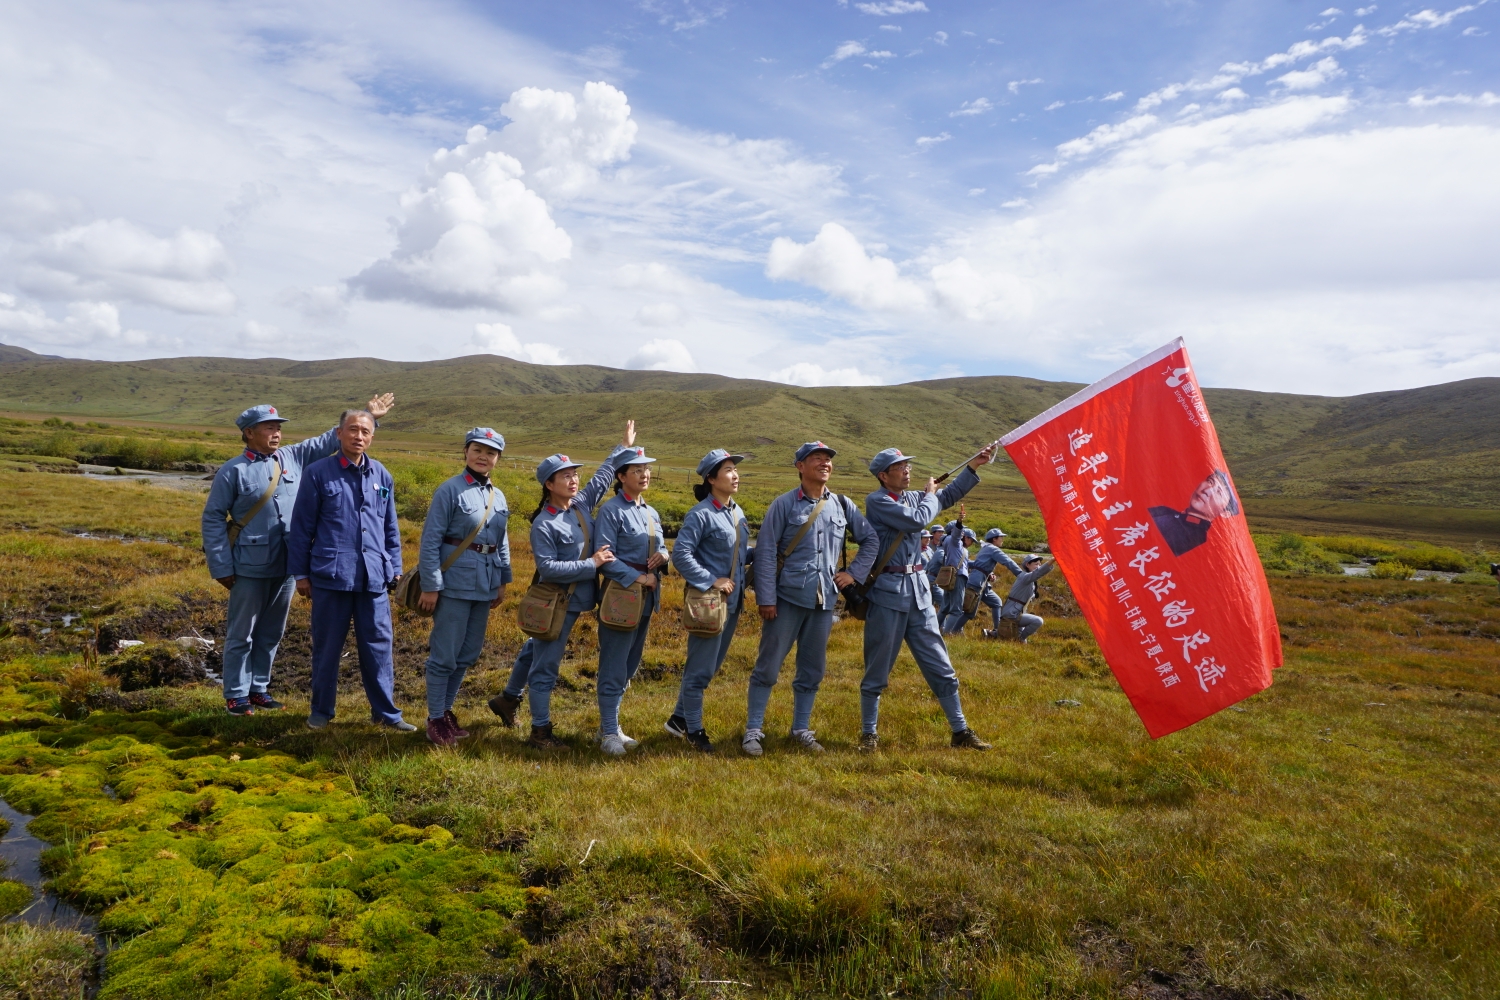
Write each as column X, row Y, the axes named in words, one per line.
column 245, row 524
column 797, row 582
column 345, row 551
column 465, row 566
column 562, row 543
column 900, row 602
column 711, row 551
column 981, row 568
column 1022, row 594
column 631, row 528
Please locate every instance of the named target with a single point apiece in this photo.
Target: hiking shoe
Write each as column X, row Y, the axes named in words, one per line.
column 316, row 721
column 439, row 732
column 699, row 741
column 868, row 743
column 805, row 741
column 542, row 738
column 752, row 742
column 262, row 700
column 238, row 706
column 676, row 726
column 967, row 739
column 459, row 732
column 630, row 742
column 612, row 745
column 505, row 706
column 400, row 726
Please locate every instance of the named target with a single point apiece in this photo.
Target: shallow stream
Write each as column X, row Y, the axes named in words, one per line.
column 22, row 854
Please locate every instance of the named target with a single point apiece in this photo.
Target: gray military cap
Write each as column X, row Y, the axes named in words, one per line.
column 258, row 415
column 487, row 436
column 885, row 459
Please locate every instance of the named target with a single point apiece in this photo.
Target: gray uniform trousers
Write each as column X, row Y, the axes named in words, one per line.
column 989, row 599
column 257, row 618
column 1029, row 624
column 953, row 605
column 536, row 670
column 619, row 659
column 809, row 629
column 455, row 643
column 705, row 655
column 885, row 630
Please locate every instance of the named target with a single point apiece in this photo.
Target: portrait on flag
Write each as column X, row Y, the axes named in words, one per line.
column 1146, row 525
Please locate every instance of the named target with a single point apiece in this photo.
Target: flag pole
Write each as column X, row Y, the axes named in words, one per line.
column 966, row 461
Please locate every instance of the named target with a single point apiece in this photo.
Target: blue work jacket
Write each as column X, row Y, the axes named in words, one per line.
column 806, row 578
column 706, row 544
column 260, row 550
column 562, row 548
column 345, row 519
column 1024, row 590
column 903, row 583
column 633, row 532
column 982, row 565
column 457, row 505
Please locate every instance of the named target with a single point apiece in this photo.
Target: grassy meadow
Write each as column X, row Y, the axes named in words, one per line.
column 1334, row 837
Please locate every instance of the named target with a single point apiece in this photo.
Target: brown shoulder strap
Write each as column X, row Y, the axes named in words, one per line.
column 235, row 527
column 464, row 545
column 806, row 525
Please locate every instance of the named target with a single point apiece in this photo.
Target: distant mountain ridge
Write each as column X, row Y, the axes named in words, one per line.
column 1436, row 445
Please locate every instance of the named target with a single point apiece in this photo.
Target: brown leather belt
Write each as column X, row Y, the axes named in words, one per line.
column 917, row 568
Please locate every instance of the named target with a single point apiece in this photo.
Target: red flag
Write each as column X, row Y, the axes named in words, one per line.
column 1145, row 522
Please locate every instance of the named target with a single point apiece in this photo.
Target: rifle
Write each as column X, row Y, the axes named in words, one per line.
column 966, row 461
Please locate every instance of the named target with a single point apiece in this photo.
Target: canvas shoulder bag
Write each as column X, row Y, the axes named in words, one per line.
column 856, row 598
column 947, row 576
column 620, row 607
column 544, row 606
column 235, row 527
column 971, row 599
column 705, row 612
column 409, row 590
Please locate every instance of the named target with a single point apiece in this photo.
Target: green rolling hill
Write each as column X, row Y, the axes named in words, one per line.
column 1436, row 446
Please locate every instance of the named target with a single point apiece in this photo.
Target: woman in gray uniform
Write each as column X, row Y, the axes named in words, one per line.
column 562, row 543
column 710, row 554
column 630, row 527
column 461, row 598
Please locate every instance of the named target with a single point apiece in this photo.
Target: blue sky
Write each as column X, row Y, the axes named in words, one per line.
column 815, row 192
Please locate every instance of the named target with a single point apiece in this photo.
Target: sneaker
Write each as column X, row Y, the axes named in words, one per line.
column 751, row 743
column 967, row 739
column 458, row 731
column 318, row 721
column 262, row 700
column 238, row 706
column 630, row 742
column 805, row 741
column 400, row 726
column 676, row 726
column 505, row 706
column 699, row 741
column 439, row 732
column 612, row 745
column 542, row 738
column 868, row 743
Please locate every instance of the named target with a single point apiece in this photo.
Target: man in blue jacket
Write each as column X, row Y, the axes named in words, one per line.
column 244, row 538
column 345, row 551
column 797, row 584
column 900, row 599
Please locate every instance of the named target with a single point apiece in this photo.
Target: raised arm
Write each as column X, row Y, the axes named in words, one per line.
column 1008, row 562
column 306, row 452
column 894, row 515
column 956, row 490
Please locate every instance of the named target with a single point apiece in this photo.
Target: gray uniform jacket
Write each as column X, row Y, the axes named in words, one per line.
column 807, row 577
column 457, row 506
column 557, row 542
column 633, row 532
column 705, row 546
column 1024, row 590
column 956, row 553
column 982, row 565
column 903, row 584
column 260, row 551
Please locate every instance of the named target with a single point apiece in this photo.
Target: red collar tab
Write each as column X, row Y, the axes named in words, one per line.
column 1193, row 518
column 344, row 461
column 551, row 509
column 893, row 494
column 470, row 479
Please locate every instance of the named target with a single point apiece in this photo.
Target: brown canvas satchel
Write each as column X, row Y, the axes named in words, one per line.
column 705, row 612
column 946, row 577
column 544, row 606
column 620, row 607
column 971, row 600
column 409, row 590
column 235, row 527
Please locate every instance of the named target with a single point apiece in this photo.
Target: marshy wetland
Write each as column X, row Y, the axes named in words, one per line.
column 1336, row 836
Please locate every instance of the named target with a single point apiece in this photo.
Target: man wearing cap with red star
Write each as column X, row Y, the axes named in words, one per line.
column 245, row 525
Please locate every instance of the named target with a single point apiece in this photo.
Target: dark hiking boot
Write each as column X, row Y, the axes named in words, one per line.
column 699, row 741
column 439, row 732
column 262, row 700
column 505, row 706
column 239, row 706
column 868, row 743
column 542, row 738
column 967, row 739
column 459, row 732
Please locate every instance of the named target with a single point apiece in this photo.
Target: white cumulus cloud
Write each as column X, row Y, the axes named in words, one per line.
column 807, row 373
column 562, row 140
column 116, row 259
column 1316, row 75
column 845, row 51
column 662, row 356
column 888, row 8
column 837, row 263
column 978, row 106
column 499, row 338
